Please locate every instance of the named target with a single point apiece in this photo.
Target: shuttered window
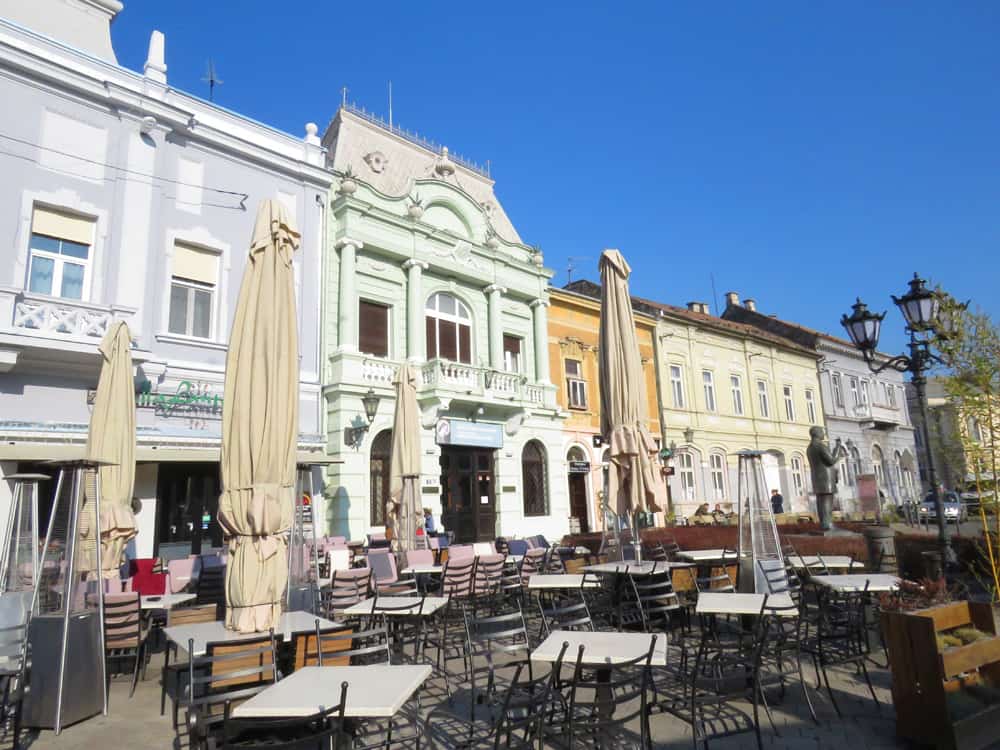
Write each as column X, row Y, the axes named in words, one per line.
column 511, row 353
column 373, row 328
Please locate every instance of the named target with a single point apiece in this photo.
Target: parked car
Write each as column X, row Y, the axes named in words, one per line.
column 954, row 510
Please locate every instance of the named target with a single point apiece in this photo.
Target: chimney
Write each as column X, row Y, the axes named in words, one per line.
column 698, row 307
column 750, row 304
column 732, row 299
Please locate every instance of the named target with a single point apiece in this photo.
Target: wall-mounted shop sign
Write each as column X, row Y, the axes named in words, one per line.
column 463, row 432
column 191, row 399
column 579, row 467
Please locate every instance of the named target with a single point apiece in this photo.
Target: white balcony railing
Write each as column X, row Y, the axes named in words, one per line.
column 57, row 318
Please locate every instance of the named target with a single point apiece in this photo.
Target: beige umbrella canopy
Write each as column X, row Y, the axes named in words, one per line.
column 260, row 420
column 624, row 415
column 111, row 438
column 404, row 466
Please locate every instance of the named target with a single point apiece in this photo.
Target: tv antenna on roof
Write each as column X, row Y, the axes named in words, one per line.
column 571, row 264
column 212, row 79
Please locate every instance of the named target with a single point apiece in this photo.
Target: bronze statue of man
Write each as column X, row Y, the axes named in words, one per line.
column 822, row 463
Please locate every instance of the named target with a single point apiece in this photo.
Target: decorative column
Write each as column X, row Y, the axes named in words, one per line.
column 415, row 343
column 347, row 328
column 541, row 340
column 495, row 292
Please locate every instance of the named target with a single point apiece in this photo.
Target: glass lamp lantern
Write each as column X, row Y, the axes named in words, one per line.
column 920, row 306
column 370, row 401
column 863, row 326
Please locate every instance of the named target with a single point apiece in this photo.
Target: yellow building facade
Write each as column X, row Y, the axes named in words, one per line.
column 573, row 325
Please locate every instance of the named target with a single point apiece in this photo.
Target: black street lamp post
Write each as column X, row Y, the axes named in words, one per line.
column 921, row 308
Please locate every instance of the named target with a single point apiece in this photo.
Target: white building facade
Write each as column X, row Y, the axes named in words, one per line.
column 423, row 265
column 125, row 199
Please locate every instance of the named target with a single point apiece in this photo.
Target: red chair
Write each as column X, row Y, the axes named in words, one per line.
column 145, row 581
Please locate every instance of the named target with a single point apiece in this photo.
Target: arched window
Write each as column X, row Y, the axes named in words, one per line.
column 379, row 476
column 856, row 468
column 717, row 464
column 535, row 486
column 449, row 328
column 798, row 477
column 877, row 465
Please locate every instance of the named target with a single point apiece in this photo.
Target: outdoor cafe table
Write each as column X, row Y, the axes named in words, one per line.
column 165, row 601
column 708, row 555
column 840, row 562
column 539, row 581
column 374, row 691
column 742, row 604
column 422, row 569
column 203, row 633
column 366, row 607
column 636, row 569
column 855, row 582
column 600, row 648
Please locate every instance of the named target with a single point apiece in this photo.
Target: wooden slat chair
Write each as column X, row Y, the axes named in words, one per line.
column 124, row 635
column 306, row 651
column 342, row 648
column 172, row 676
column 229, row 673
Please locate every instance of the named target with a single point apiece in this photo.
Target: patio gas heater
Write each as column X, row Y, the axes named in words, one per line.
column 303, row 554
column 67, row 680
column 759, row 547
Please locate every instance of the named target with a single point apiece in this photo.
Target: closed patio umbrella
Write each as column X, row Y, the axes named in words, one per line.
column 624, row 414
column 404, row 466
column 111, row 438
column 260, row 419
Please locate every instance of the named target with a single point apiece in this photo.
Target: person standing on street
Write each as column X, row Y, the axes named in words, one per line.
column 777, row 502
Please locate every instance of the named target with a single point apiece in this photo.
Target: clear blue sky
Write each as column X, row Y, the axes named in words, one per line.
column 804, row 153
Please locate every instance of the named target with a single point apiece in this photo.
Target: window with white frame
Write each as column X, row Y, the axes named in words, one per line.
column 855, row 394
column 193, row 282
column 789, row 403
column 708, row 382
column 891, row 396
column 810, row 406
column 798, row 477
column 677, row 385
column 878, row 466
column 576, row 386
column 838, row 391
column 717, row 466
column 59, row 254
column 511, row 353
column 686, row 473
column 856, row 468
column 736, row 388
column 448, row 328
column 763, row 402
column 865, row 396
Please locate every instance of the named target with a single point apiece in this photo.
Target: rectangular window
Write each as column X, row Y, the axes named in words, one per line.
column 60, row 254
column 511, row 353
column 686, row 462
column 677, row 386
column 708, row 381
column 448, row 340
column 789, row 403
column 810, row 406
column 855, row 394
column 192, row 291
column 838, row 391
column 890, row 394
column 717, row 463
column 373, row 328
column 736, row 386
column 865, row 397
column 762, row 400
column 576, row 386
column 798, row 480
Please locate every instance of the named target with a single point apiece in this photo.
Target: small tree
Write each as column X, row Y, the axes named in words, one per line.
column 971, row 351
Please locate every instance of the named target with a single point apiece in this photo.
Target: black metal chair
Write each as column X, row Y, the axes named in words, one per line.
column 457, row 583
column 229, row 671
column 565, row 611
column 13, row 667
column 211, row 588
column 172, row 676
column 320, row 731
column 503, row 635
column 835, row 634
column 403, row 620
column 659, row 605
column 602, row 701
column 336, row 648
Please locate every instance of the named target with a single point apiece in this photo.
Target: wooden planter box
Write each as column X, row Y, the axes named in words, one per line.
column 923, row 675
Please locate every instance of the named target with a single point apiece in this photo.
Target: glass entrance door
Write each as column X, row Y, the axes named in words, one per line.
column 188, row 502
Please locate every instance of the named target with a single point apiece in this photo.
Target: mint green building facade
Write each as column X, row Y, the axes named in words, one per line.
column 422, row 264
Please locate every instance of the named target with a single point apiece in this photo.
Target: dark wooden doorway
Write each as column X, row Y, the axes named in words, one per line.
column 468, row 498
column 578, row 500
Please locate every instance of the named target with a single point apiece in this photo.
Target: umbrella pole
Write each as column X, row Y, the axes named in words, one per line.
column 636, row 539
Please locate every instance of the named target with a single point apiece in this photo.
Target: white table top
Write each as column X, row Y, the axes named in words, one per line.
column 560, row 581
column 831, row 561
column 707, row 555
column 373, row 691
column 166, row 601
column 600, row 647
column 742, row 604
column 431, row 605
column 856, row 582
column 411, row 570
column 209, row 632
column 514, row 559
column 634, row 568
